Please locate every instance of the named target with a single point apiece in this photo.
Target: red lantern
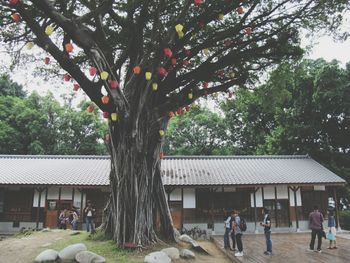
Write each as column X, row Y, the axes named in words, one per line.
column 90, row 108
column 248, row 30
column 114, row 84
column 16, row 17
column 13, row 2
column 161, row 155
column 68, row 47
column 179, row 111
column 171, row 114
column 76, row 86
column 240, row 10
column 205, row 85
column 198, row 2
column 167, row 52
column 92, row 71
column 67, row 77
column 105, row 99
column 185, row 62
column 162, row 71
column 188, row 52
column 105, row 114
column 136, row 70
column 46, row 60
column 173, row 61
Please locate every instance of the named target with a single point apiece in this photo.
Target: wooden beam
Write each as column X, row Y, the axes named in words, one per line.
column 336, row 208
column 255, row 210
column 276, row 207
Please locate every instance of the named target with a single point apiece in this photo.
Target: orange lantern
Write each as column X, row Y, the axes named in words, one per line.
column 46, row 60
column 68, row 47
column 137, row 70
column 171, row 114
column 16, row 17
column 90, row 108
column 13, row 2
column 114, row 84
column 248, row 30
column 105, row 99
column 173, row 61
column 240, row 10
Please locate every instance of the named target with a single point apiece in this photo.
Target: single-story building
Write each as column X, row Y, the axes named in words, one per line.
column 200, row 189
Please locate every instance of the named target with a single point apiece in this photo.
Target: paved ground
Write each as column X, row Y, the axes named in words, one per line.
column 289, row 248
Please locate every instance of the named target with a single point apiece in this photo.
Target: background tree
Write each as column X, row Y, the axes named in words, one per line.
column 160, row 54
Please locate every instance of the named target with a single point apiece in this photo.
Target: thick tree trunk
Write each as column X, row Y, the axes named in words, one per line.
column 137, row 192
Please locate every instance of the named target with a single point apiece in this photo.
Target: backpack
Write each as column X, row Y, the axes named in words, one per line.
column 243, row 224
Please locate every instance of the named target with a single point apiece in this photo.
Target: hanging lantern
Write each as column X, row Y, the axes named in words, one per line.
column 76, row 86
column 188, row 108
column 105, row 114
column 188, row 52
column 29, row 45
column 171, row 114
column 154, row 86
column 162, row 71
column 104, row 75
column 49, row 30
column 161, row 155
column 67, row 77
column 90, row 108
column 92, row 71
column 161, row 133
column 248, row 30
column 173, row 61
column 206, row 51
column 205, row 85
column 16, row 17
column 179, row 111
column 180, row 34
column 179, row 28
column 13, row 2
column 114, row 116
column 185, row 62
column 167, row 52
column 148, row 75
column 114, row 84
column 190, row 96
column 68, row 47
column 240, row 10
column 136, row 70
column 221, row 17
column 46, row 60
column 198, row 2
column 232, row 74
column 105, row 99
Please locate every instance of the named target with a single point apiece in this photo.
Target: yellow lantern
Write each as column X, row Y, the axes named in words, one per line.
column 181, row 34
column 49, row 30
column 221, row 17
column 206, row 51
column 104, row 75
column 161, row 133
column 148, row 75
column 190, row 96
column 29, row 45
column 232, row 74
column 154, row 86
column 179, row 28
column 114, row 116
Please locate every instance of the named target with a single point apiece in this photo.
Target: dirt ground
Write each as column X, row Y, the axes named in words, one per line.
column 25, row 249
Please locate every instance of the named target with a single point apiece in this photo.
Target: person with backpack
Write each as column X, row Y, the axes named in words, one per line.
column 239, row 225
column 228, row 226
column 266, row 223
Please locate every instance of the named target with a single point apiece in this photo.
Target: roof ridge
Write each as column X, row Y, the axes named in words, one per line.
column 237, row 157
column 22, row 156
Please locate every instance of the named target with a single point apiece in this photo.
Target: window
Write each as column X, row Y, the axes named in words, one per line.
column 2, row 200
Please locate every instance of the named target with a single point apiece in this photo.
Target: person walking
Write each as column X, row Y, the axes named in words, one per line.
column 332, row 232
column 315, row 221
column 75, row 219
column 266, row 223
column 90, row 213
column 233, row 237
column 63, row 218
column 238, row 233
column 227, row 225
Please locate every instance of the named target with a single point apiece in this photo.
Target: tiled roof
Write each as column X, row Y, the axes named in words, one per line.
column 176, row 170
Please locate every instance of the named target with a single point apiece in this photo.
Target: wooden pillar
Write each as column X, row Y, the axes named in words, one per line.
column 81, row 208
column 255, row 210
column 289, row 220
column 182, row 207
column 276, row 207
column 38, row 210
column 59, row 199
column 295, row 189
column 46, row 190
column 336, row 208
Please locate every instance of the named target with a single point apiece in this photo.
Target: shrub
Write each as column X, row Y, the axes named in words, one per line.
column 344, row 219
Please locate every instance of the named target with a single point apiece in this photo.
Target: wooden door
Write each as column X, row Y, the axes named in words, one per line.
column 176, row 214
column 51, row 214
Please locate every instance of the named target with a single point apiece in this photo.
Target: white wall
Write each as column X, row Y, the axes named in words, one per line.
column 291, row 193
column 175, row 195
column 282, row 192
column 77, row 198
column 36, row 198
column 66, row 193
column 258, row 199
column 189, row 198
column 52, row 193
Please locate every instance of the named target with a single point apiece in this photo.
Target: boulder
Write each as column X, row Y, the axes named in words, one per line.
column 157, row 257
column 48, row 255
column 46, row 230
column 89, row 257
column 187, row 254
column 69, row 252
column 186, row 238
column 172, row 252
column 177, row 235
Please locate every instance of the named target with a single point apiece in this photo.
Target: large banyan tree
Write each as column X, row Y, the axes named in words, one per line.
column 143, row 61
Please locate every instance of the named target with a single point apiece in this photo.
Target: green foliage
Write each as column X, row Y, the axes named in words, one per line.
column 344, row 219
column 40, row 125
column 10, row 88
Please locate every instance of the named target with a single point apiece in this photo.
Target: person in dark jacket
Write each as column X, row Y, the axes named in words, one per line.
column 315, row 221
column 266, row 223
column 90, row 213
